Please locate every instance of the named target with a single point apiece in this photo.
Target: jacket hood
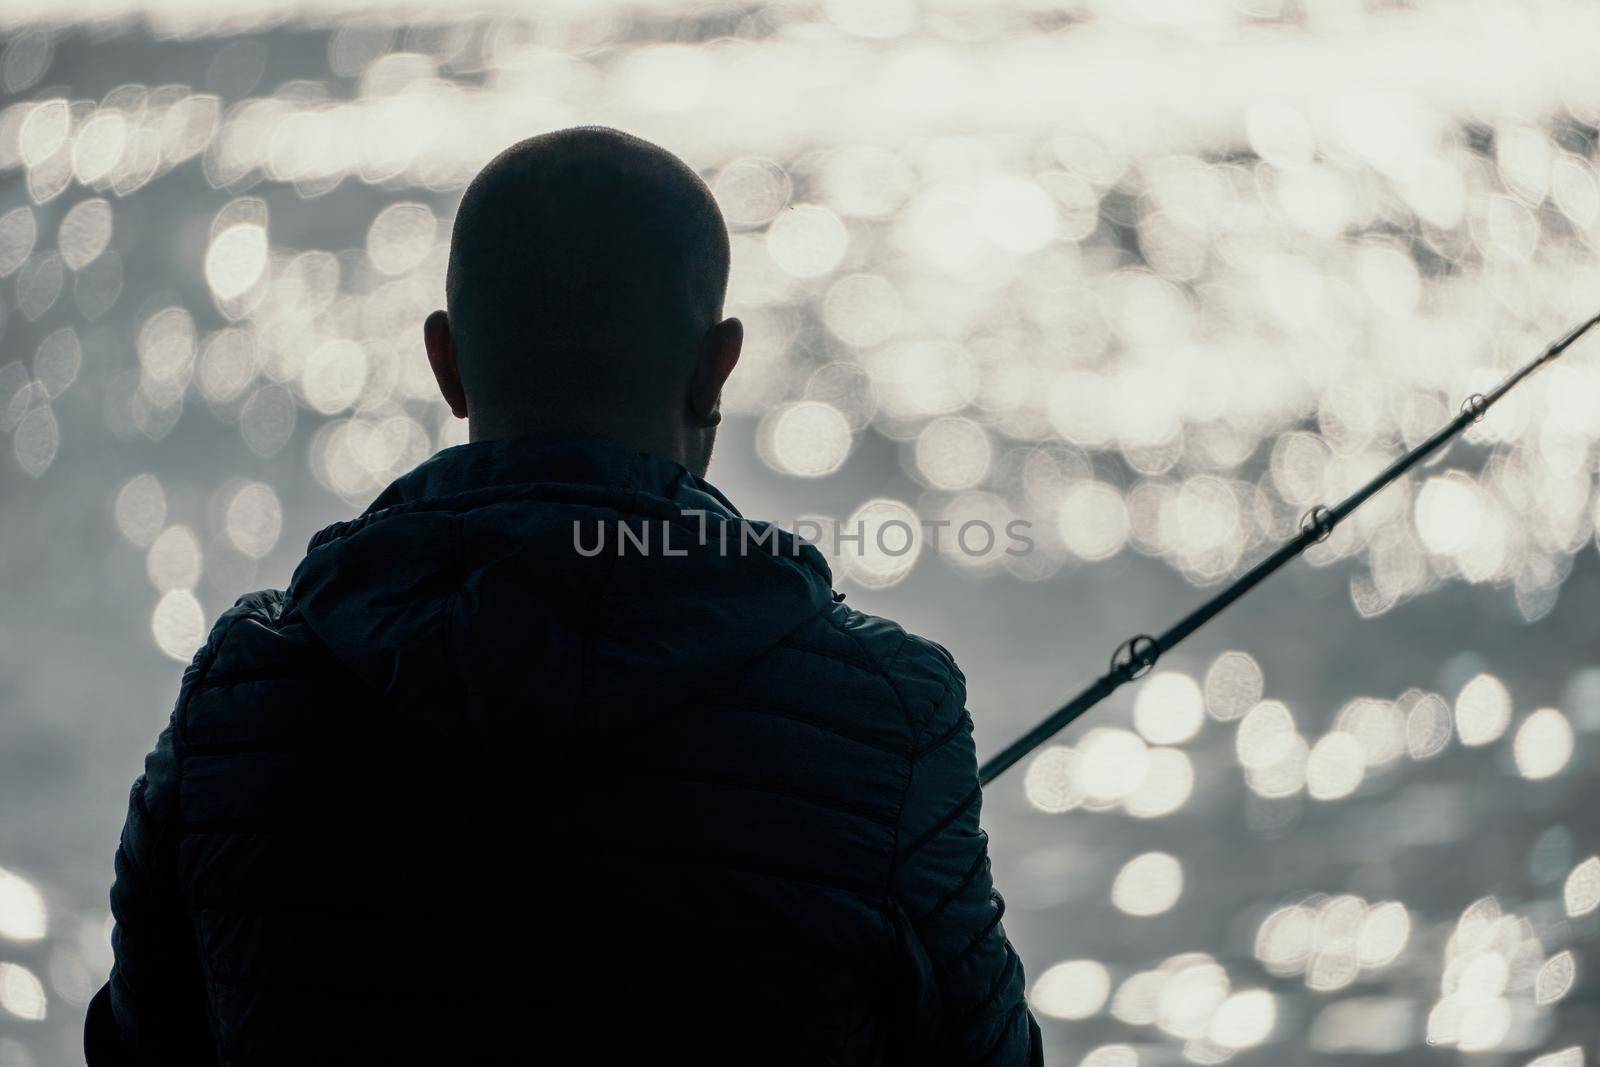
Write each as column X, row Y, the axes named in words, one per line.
column 566, row 585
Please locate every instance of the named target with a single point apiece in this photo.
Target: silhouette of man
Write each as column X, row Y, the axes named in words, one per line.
column 472, row 790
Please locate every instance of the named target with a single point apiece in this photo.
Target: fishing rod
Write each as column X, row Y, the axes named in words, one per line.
column 1135, row 656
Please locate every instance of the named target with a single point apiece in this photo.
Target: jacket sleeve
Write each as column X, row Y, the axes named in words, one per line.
column 942, row 883
column 153, row 1010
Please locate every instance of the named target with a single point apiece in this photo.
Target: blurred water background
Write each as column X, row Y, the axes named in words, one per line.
column 1153, row 277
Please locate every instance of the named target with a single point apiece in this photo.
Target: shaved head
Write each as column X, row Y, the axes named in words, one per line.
column 586, row 268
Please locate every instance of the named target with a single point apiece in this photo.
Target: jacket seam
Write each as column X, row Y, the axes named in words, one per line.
column 896, row 857
column 1013, row 961
column 797, row 716
column 944, row 738
column 888, row 674
column 861, row 665
column 989, row 928
column 868, row 661
column 933, row 712
column 1005, row 1029
column 967, row 879
column 944, row 823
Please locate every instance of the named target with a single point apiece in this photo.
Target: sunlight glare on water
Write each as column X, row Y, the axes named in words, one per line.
column 22, row 908
column 1169, row 708
column 1051, row 782
column 1265, row 734
column 236, row 259
column 1581, row 893
column 1334, row 767
column 751, row 190
column 1155, row 326
column 21, row 993
column 178, row 624
column 1073, row 989
column 85, row 232
column 807, row 240
column 890, row 538
column 1233, row 685
column 1168, row 784
column 1555, row 978
column 1114, row 764
column 1567, row 1057
column 401, row 237
column 1148, row 884
column 1244, row 1019
column 1093, row 520
column 806, row 439
column 1543, row 744
column 1483, row 710
column 254, row 519
column 1110, row 1056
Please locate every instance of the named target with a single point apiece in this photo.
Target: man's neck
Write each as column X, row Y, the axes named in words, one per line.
column 673, row 446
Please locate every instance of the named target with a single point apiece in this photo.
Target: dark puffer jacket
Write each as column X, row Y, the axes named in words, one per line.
column 465, row 793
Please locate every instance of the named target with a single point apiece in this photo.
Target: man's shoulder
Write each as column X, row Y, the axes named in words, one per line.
column 260, row 641
column 921, row 674
column 260, row 633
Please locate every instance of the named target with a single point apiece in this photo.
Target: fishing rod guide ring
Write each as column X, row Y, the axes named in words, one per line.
column 1318, row 520
column 1135, row 656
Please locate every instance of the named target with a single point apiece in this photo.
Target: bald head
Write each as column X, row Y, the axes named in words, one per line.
column 586, row 279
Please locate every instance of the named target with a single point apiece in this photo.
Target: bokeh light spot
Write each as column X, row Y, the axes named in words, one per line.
column 750, row 190
column 881, row 540
column 1335, row 767
column 18, row 232
column 1555, row 978
column 1148, row 884
column 141, row 509
column 1169, row 708
column 1543, row 744
column 1483, row 710
column 23, row 916
column 1265, row 734
column 173, row 561
column 1383, row 934
column 1114, row 763
column 21, row 993
column 807, row 240
column 807, row 439
column 1234, row 684
column 1050, row 782
column 1244, row 1020
column 178, row 624
column 254, row 519
column 1093, row 520
column 84, row 233
column 401, row 236
column 236, row 260
column 1581, row 893
column 953, row 453
column 1167, row 785
column 1072, row 989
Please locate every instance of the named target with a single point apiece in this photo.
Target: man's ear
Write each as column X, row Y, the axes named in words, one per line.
column 442, row 358
column 719, row 354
